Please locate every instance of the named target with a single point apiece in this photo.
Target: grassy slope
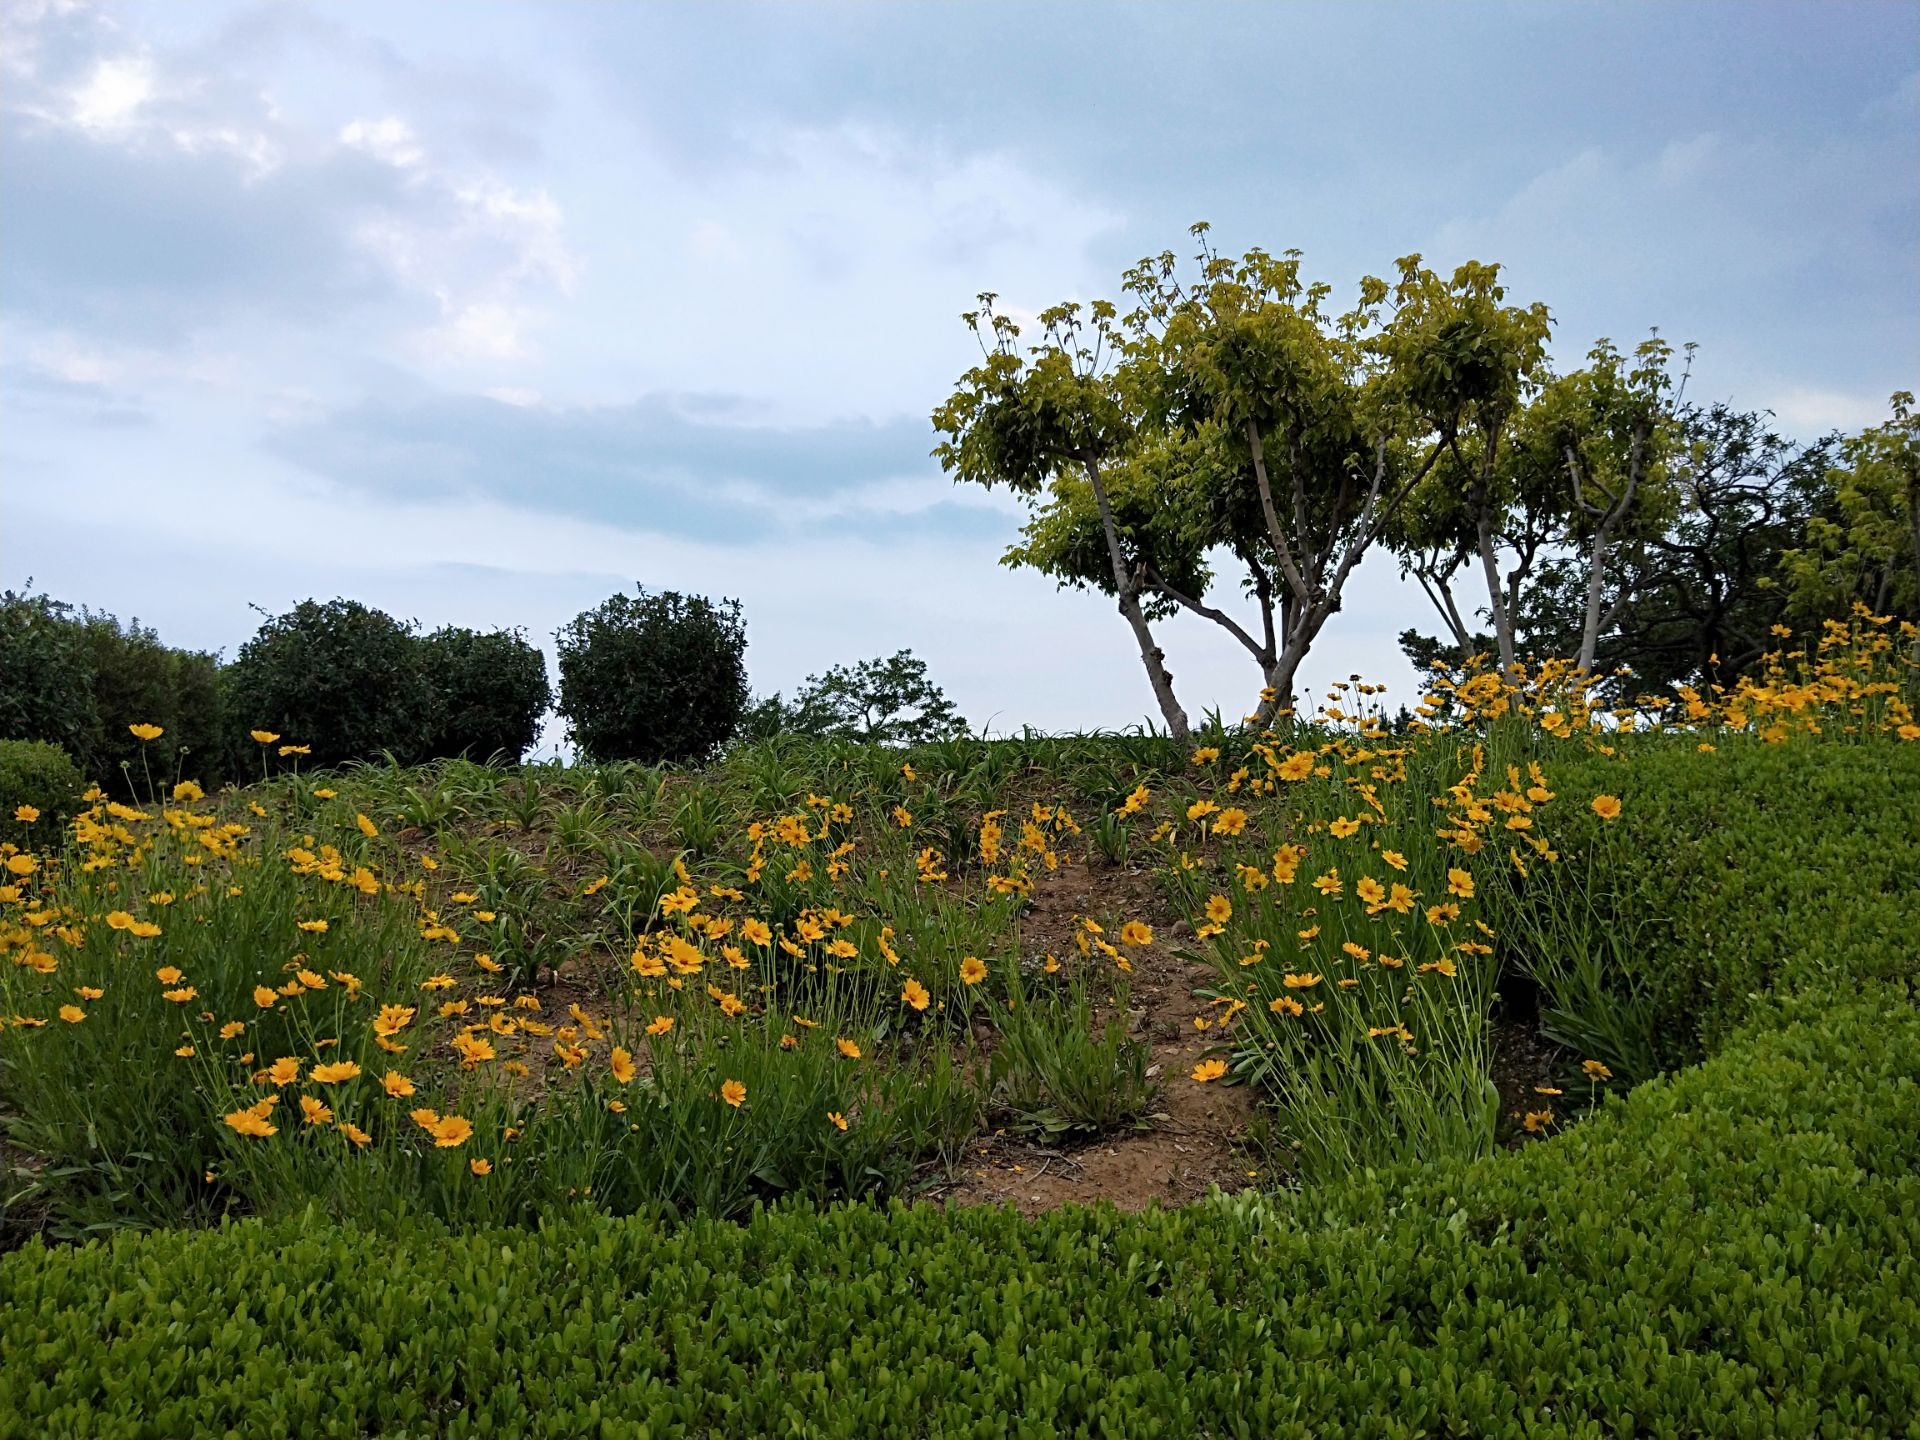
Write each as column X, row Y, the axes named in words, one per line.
column 1727, row 1251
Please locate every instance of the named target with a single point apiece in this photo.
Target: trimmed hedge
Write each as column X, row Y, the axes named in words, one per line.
column 1730, row 1252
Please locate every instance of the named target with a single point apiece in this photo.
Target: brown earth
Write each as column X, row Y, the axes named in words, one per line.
column 1193, row 1141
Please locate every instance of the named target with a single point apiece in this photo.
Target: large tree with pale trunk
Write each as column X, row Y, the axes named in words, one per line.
column 1232, row 422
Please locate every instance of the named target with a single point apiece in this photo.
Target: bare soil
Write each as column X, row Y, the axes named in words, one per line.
column 1192, row 1143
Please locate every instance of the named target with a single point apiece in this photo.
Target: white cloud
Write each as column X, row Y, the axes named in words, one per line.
column 110, row 96
column 388, row 139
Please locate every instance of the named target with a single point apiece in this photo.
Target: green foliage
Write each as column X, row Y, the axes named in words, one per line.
column 653, row 677
column 1778, row 869
column 1729, row 1253
column 1054, row 1072
column 139, row 681
column 885, row 701
column 1866, row 548
column 79, row 679
column 489, row 692
column 41, row 775
column 340, row 678
column 48, row 694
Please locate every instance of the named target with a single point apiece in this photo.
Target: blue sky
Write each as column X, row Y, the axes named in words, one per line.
column 480, row 313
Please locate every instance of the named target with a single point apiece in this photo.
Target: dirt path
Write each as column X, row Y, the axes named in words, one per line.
column 1191, row 1145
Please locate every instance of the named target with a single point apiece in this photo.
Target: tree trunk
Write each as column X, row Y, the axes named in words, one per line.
column 1128, row 590
column 1490, row 567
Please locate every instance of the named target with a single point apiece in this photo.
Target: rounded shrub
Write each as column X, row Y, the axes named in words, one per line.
column 340, row 678
column 489, row 692
column 653, row 677
column 39, row 789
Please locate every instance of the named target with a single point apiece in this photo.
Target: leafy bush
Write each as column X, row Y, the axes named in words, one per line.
column 489, row 692
column 1783, row 867
column 339, row 678
column 48, row 694
column 653, row 677
column 139, row 681
column 1728, row 1253
column 39, row 776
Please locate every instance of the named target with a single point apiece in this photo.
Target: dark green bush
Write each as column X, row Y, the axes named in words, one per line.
column 1728, row 1253
column 137, row 680
column 341, row 678
column 654, row 677
column 46, row 674
column 40, row 775
column 489, row 692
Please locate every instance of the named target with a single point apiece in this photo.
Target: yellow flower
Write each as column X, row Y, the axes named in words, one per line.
column 1537, row 1121
column 451, row 1131
column 1219, row 909
column 734, row 1093
column 972, row 970
column 847, row 1048
column 837, row 1120
column 1136, row 932
column 313, row 1111
column 168, row 974
column 1286, row 1005
column 251, row 1121
column 234, row 1027
column 479, row 1166
column 314, row 927
column 263, row 737
column 25, row 814
column 396, row 1085
column 335, row 1073
column 353, row 1132
column 1209, row 1070
column 1607, row 807
column 1230, row 821
column 367, row 827
column 660, row 1025
column 88, row 992
column 1595, row 1070
column 180, row 996
column 1206, row 754
column 1299, row 981
column 1460, row 883
column 146, row 732
column 72, row 1014
column 620, row 1061
column 915, row 994
column 1342, row 828
column 757, row 932
column 284, row 1071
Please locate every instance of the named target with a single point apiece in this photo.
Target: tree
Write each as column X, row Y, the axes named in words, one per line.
column 884, row 701
column 1865, row 547
column 653, row 677
column 489, row 692
column 1699, row 595
column 47, row 670
column 340, row 678
column 1228, row 416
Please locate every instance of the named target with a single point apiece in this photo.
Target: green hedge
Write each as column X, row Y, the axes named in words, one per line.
column 1727, row 1252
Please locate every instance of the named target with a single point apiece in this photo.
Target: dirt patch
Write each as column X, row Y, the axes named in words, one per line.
column 1192, row 1143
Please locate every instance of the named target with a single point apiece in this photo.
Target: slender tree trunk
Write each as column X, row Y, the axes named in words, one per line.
column 1127, row 587
column 1609, row 517
column 1490, row 567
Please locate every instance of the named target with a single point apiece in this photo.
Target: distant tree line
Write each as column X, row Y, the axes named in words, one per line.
column 654, row 676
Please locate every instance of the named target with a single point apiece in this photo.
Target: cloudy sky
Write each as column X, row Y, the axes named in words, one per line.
column 482, row 312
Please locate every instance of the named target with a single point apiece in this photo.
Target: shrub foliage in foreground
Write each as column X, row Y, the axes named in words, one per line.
column 1727, row 1252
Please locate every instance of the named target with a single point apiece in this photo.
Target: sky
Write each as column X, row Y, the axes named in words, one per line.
column 481, row 313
